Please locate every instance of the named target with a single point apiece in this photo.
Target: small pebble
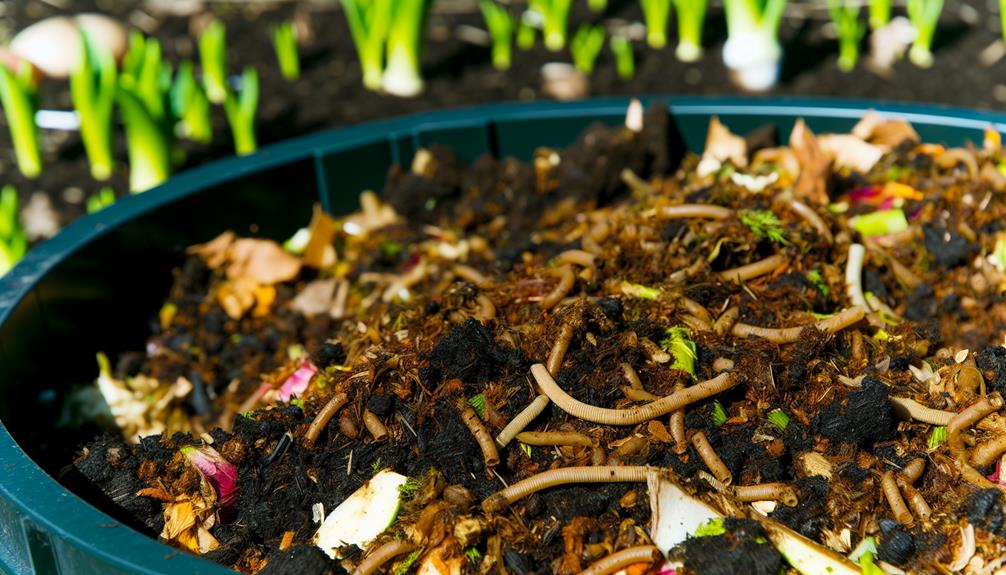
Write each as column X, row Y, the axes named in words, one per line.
column 73, row 195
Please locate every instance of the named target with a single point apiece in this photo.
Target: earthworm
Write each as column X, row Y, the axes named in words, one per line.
column 382, row 555
column 900, row 271
column 890, row 488
column 974, row 477
column 471, row 274
column 754, row 269
column 553, row 477
column 548, row 438
column 597, row 233
column 622, row 559
column 578, row 257
column 522, row 420
column 767, row 492
column 915, row 499
column 837, row 322
column 324, row 416
column 726, row 321
column 854, row 274
column 907, row 408
column 705, row 211
column 968, row 417
column 635, row 183
column 566, row 281
column 912, row 471
column 481, row 434
column 986, row 452
column 709, row 457
column 635, row 391
column 487, row 310
column 696, row 323
column 559, row 348
column 695, row 308
column 634, row 415
column 677, row 425
column 374, row 425
column 811, row 217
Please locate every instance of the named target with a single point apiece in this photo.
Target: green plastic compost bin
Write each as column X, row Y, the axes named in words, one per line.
column 97, row 284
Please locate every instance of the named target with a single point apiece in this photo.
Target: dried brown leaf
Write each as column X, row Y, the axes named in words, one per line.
column 722, row 145
column 319, row 252
column 812, row 183
column 884, row 132
column 316, row 297
column 848, row 151
column 262, row 261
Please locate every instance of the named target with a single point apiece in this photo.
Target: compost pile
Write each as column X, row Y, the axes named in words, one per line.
column 619, row 356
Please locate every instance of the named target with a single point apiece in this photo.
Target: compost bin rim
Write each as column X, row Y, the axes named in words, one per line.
column 46, row 506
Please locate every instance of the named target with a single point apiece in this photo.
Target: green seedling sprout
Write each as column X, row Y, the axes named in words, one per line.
column 924, row 14
column 625, row 59
column 554, row 15
column 284, row 41
column 13, row 239
column 779, row 419
column 718, row 414
column 597, row 5
column 143, row 99
column 368, row 23
column 764, row 224
column 241, row 110
column 92, row 88
column 1002, row 24
column 19, row 97
column 752, row 48
column 525, row 35
column 100, row 200
column 845, row 17
column 655, row 16
column 213, row 58
column 501, row 28
column 880, row 13
column 403, row 73
column 691, row 17
column 586, row 46
column 937, row 436
column 191, row 106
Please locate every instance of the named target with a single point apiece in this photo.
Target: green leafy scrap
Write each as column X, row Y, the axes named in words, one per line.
column 478, row 403
column 937, row 436
column 817, row 279
column 713, row 528
column 719, row 415
column 678, row 342
column 764, row 224
column 778, row 418
column 404, row 567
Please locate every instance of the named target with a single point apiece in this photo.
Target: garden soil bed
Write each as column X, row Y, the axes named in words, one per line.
column 458, row 73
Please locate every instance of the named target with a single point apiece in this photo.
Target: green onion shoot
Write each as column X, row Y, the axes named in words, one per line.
column 850, row 29
column 778, row 418
column 19, row 97
column 691, row 18
column 554, row 14
column 284, row 42
column 656, row 13
column 241, row 110
column 191, row 106
column 597, row 5
column 880, row 13
column 764, row 224
column 924, row 14
column 403, row 72
column 586, row 46
column 92, row 89
column 143, row 100
column 213, row 58
column 525, row 35
column 752, row 50
column 368, row 23
column 625, row 58
column 864, row 554
column 501, row 26
column 678, row 342
column 100, row 200
column 880, row 223
column 13, row 239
